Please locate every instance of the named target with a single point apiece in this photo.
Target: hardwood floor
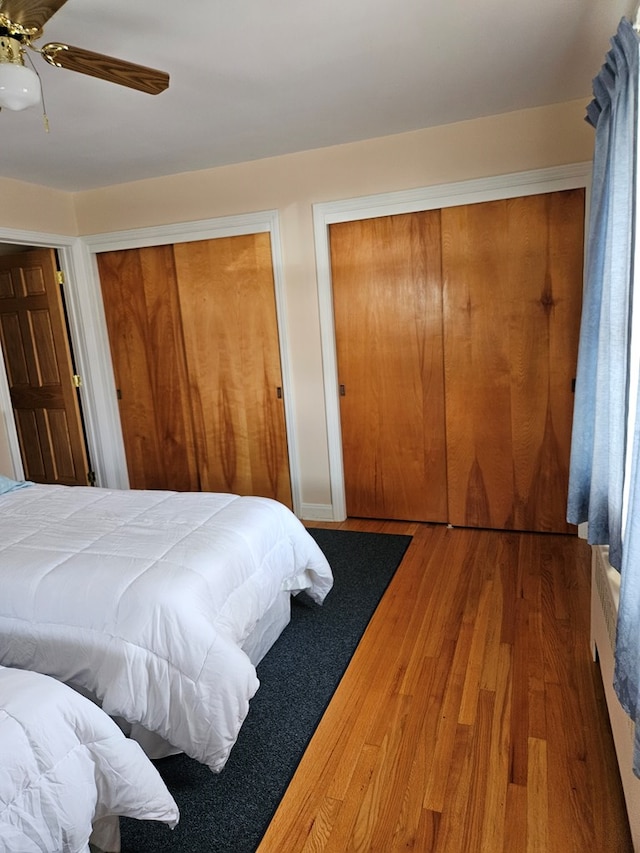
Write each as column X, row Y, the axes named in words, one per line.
column 472, row 717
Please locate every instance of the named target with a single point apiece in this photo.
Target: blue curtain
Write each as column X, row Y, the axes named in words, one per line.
column 600, row 441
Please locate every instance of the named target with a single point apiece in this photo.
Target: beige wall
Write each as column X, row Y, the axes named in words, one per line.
column 514, row 142
column 6, row 465
column 27, row 207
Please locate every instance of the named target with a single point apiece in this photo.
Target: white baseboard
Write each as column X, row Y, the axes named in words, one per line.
column 317, row 512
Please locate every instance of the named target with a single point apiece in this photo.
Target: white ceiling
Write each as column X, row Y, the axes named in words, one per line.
column 252, row 79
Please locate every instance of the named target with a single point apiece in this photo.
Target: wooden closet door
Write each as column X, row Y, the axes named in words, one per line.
column 512, row 273
column 141, row 306
column 228, row 308
column 388, row 318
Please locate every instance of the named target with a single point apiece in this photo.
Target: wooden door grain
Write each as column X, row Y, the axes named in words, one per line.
column 387, row 298
column 141, row 306
column 512, row 278
column 228, row 309
column 40, row 370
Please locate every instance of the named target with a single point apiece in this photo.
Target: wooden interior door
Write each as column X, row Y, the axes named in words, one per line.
column 144, row 325
column 387, row 296
column 512, row 273
column 228, row 308
column 40, row 370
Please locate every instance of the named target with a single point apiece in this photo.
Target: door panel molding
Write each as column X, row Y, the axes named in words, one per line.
column 533, row 182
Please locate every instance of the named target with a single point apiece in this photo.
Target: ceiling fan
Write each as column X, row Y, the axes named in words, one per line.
column 22, row 23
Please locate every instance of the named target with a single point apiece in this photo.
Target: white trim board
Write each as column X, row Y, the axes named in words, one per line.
column 226, row 226
column 387, row 204
column 183, row 232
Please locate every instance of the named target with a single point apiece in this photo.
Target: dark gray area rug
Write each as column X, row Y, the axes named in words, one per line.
column 229, row 812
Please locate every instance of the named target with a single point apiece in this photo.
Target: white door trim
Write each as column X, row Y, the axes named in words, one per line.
column 387, row 204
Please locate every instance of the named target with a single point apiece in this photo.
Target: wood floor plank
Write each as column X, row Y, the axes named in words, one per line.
column 515, row 827
column 537, row 797
column 414, row 821
column 348, row 823
column 490, row 666
column 397, row 769
column 447, row 731
column 471, row 718
column 479, row 763
column 320, row 830
column 499, row 754
column 452, row 828
column 520, row 696
column 475, row 664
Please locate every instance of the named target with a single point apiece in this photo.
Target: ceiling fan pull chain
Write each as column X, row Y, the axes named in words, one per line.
column 45, row 117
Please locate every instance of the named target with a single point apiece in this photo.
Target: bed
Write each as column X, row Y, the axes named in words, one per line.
column 157, row 604
column 67, row 771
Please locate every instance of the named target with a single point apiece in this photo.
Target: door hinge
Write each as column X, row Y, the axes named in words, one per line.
column 91, row 478
column 59, row 276
column 77, row 380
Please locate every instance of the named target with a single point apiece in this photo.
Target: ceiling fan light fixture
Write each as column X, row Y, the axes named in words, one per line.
column 19, row 86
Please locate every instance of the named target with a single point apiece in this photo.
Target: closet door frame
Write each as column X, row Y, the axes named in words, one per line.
column 88, row 247
column 573, row 176
column 185, row 232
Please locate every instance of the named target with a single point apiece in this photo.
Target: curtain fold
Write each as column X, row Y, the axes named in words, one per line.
column 596, row 477
column 602, row 451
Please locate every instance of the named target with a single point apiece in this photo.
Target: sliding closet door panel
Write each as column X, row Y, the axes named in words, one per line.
column 228, row 309
column 145, row 333
column 512, row 274
column 388, row 315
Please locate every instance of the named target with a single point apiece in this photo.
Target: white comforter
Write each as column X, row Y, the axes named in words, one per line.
column 145, row 597
column 64, row 764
